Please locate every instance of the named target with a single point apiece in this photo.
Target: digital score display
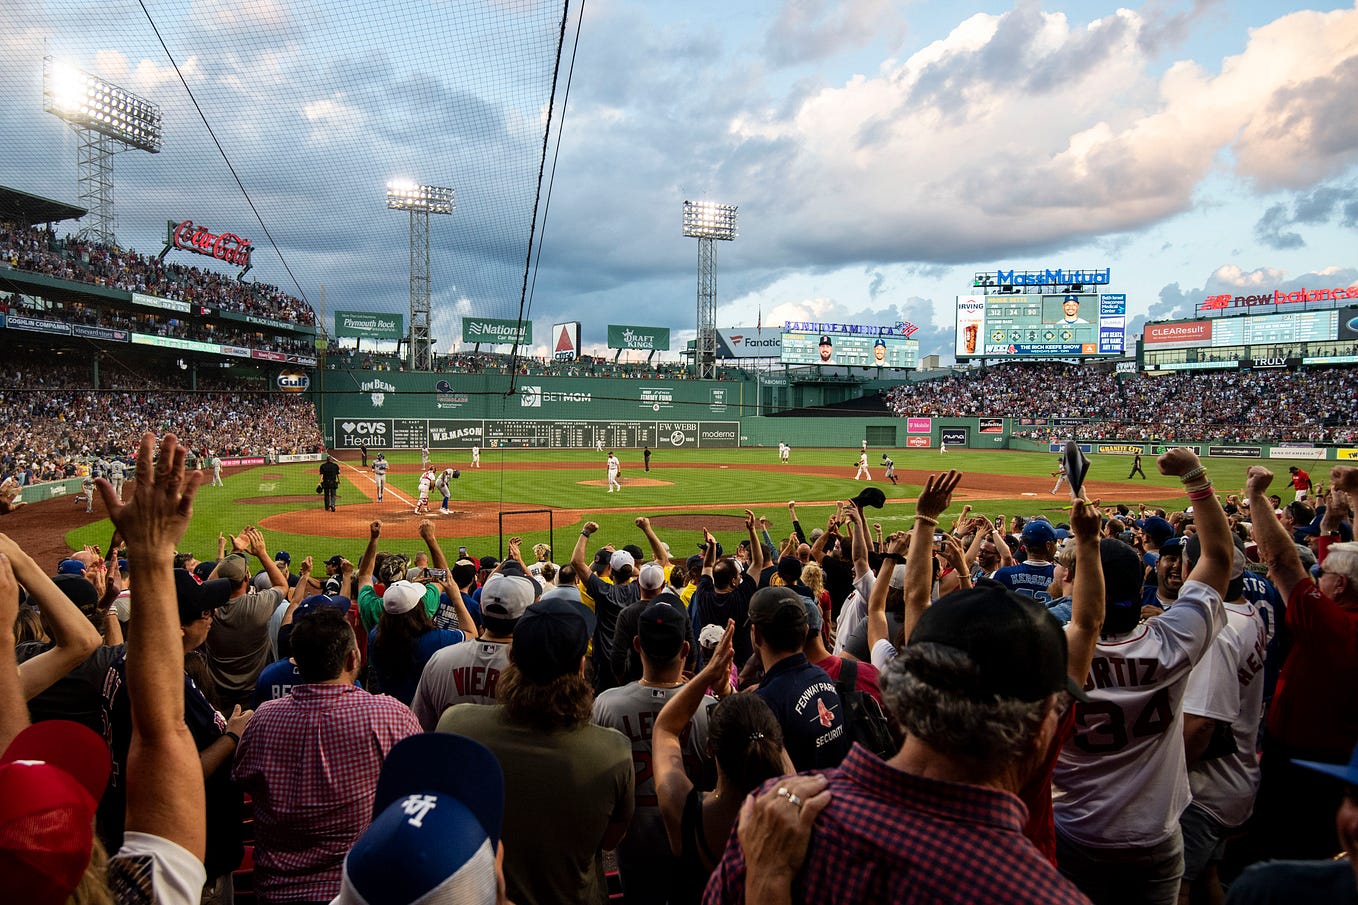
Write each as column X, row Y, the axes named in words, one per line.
column 857, row 350
column 1065, row 326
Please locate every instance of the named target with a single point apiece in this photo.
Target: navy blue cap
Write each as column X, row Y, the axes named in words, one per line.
column 551, row 636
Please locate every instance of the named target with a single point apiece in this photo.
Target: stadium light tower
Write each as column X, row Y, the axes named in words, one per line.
column 708, row 222
column 421, row 201
column 107, row 119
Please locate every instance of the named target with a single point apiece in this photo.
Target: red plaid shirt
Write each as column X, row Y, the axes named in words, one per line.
column 310, row 762
column 891, row 836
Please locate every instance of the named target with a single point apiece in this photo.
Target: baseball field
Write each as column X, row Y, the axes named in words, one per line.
column 545, row 495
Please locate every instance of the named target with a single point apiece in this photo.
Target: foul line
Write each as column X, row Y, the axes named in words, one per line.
column 390, row 489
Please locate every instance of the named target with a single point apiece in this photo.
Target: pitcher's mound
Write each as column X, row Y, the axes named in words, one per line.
column 630, row 482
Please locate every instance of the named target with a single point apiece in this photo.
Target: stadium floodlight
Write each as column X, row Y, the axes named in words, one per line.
column 709, row 223
column 420, row 201
column 107, row 119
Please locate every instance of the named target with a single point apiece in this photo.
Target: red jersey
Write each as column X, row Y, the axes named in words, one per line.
column 1301, row 480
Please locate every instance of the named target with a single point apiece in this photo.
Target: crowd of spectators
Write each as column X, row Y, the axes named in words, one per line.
column 53, row 424
column 836, row 716
column 178, row 327
column 1186, row 406
column 500, row 363
column 38, row 249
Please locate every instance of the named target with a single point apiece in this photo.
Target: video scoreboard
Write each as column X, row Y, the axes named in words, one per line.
column 1327, row 336
column 1057, row 325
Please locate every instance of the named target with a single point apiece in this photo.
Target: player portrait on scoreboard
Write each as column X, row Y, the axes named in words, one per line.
column 1068, row 313
column 879, row 351
column 827, row 350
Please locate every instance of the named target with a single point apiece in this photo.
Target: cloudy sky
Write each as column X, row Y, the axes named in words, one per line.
column 880, row 152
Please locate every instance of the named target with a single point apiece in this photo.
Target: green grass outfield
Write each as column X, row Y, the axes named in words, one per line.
column 254, row 494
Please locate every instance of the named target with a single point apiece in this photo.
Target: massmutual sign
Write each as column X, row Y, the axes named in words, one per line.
column 496, row 330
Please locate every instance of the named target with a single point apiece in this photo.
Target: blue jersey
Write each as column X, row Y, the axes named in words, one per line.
column 1030, row 578
column 1261, row 592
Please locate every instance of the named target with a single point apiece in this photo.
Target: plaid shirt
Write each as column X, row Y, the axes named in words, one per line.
column 310, row 761
column 891, row 836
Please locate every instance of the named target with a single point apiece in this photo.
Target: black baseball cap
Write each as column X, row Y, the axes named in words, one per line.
column 552, row 635
column 663, row 629
column 1018, row 647
column 195, row 598
column 825, row 341
column 777, row 604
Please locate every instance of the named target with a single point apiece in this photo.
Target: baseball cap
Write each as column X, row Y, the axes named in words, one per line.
column 204, row 569
column 703, row 547
column 283, row 556
column 432, row 838
column 652, row 576
column 79, row 591
column 879, row 342
column 551, row 636
column 335, row 561
column 489, row 562
column 317, row 602
column 507, row 596
column 52, row 776
column 1038, row 534
column 824, row 341
column 789, row 569
column 464, row 572
column 1347, row 772
column 620, row 560
column 1172, row 547
column 196, row 598
column 663, row 629
column 233, row 568
column 776, row 604
column 814, row 617
column 869, row 496
column 402, row 597
column 71, row 567
column 1019, row 648
column 1157, row 529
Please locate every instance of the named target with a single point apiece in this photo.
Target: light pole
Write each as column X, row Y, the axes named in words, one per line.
column 708, row 222
column 107, row 119
column 421, row 201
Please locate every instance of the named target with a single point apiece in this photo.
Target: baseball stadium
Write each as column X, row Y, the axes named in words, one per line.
column 411, row 398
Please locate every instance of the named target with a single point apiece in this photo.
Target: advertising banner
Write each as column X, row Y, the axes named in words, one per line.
column 496, row 331
column 1348, row 323
column 676, row 434
column 353, row 433
column 151, row 301
column 1061, row 447
column 917, row 442
column 293, row 382
column 1346, row 453
column 301, row 457
column 919, row 425
column 750, row 342
column 1119, row 449
column 647, row 339
column 249, row 460
column 1161, row 450
column 369, row 325
column 267, row 355
column 1235, row 452
column 566, row 342
column 35, row 325
column 170, row 342
column 104, row 333
column 990, row 425
column 1296, row 452
column 1183, row 334
column 718, row 433
column 954, row 436
column 444, row 432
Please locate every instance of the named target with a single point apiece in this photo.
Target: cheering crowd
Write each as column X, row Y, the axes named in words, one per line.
column 38, row 249
column 1209, row 405
column 52, row 424
column 974, row 710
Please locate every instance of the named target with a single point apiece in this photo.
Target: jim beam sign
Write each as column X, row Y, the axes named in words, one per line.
column 185, row 235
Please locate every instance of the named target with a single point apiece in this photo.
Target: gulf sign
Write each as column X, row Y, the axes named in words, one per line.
column 1182, row 334
column 293, row 382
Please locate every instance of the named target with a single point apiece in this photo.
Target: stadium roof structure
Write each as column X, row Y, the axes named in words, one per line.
column 22, row 207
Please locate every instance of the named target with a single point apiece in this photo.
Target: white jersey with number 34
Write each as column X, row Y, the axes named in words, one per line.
column 1121, row 781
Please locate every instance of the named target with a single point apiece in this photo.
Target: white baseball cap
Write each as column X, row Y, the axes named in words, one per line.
column 402, row 597
column 620, row 559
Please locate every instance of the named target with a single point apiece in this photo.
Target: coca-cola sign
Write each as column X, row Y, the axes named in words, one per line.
column 228, row 247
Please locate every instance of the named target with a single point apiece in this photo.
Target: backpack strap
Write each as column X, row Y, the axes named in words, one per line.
column 848, row 677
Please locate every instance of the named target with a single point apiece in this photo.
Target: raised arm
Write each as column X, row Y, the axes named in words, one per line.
column 657, row 548
column 255, row 538
column 756, row 548
column 578, row 561
column 796, row 525
column 369, row 557
column 13, row 701
column 1276, row 549
column 1087, row 598
column 1214, row 565
column 859, row 544
column 165, row 795
column 73, row 637
column 672, row 784
column 896, row 548
column 436, row 554
column 933, row 501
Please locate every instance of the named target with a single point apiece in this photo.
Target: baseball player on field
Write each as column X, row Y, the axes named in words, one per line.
column 1121, row 781
column 476, row 457
column 426, row 481
column 613, row 466
column 441, row 484
column 890, row 467
column 117, row 476
column 379, row 468
column 863, row 474
column 1059, row 474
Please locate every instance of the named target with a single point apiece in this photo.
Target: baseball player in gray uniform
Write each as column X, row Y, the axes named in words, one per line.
column 379, row 468
column 117, row 475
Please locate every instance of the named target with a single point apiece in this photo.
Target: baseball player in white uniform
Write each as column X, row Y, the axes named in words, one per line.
column 1121, row 781
column 784, row 453
column 426, row 481
column 379, row 468
column 863, row 474
column 217, row 471
column 1059, row 474
column 476, row 457
column 613, row 473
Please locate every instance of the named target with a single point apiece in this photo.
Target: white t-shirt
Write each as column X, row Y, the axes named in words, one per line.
column 1122, row 781
column 1228, row 685
column 152, row 869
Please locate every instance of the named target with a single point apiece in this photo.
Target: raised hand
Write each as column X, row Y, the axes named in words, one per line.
column 156, row 516
column 936, row 495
